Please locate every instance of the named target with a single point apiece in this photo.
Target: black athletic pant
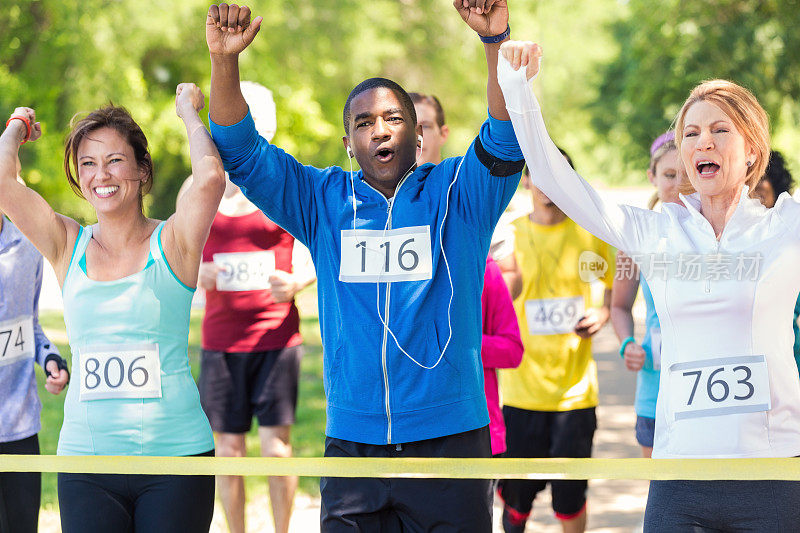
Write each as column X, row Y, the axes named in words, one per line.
column 135, row 503
column 367, row 505
column 20, row 492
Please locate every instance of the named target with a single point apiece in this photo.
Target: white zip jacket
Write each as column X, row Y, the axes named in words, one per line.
column 729, row 383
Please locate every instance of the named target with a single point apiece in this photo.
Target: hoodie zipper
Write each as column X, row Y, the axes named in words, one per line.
column 708, row 279
column 384, row 367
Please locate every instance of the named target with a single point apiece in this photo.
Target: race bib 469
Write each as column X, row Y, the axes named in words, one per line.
column 402, row 254
column 554, row 316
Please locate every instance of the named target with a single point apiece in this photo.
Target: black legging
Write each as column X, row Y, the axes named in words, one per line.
column 20, row 492
column 134, row 503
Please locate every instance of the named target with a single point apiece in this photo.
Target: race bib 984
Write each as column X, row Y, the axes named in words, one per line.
column 16, row 340
column 721, row 386
column 553, row 316
column 402, row 254
column 245, row 271
column 120, row 371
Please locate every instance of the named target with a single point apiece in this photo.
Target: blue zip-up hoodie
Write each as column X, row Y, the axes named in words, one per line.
column 375, row 394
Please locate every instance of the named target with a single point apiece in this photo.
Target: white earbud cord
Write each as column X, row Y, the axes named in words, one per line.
column 444, row 256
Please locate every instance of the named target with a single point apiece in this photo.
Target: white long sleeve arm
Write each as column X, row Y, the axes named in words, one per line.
column 620, row 226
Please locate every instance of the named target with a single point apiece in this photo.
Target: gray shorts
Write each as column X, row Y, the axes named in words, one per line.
column 645, row 431
column 729, row 506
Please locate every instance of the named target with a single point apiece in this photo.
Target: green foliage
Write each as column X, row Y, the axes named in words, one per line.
column 614, row 71
column 665, row 52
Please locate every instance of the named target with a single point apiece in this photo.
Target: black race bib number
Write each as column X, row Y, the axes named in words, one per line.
column 124, row 371
column 721, row 386
column 402, row 254
column 16, row 340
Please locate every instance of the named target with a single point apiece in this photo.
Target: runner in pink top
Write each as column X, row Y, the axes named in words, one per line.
column 501, row 346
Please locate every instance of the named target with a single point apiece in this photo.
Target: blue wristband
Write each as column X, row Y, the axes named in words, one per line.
column 493, row 39
column 624, row 345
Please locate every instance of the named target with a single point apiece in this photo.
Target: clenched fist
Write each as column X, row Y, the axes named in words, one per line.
column 486, row 17
column 188, row 96
column 30, row 115
column 229, row 29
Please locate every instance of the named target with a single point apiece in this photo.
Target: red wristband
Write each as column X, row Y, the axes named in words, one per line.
column 27, row 125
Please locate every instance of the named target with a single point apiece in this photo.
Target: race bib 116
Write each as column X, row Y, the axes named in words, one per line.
column 120, row 371
column 245, row 271
column 721, row 386
column 16, row 340
column 402, row 254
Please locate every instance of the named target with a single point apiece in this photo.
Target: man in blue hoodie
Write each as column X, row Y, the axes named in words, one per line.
column 400, row 253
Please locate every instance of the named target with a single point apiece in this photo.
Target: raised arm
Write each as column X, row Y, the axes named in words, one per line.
column 52, row 234
column 623, row 227
column 489, row 19
column 186, row 231
column 229, row 31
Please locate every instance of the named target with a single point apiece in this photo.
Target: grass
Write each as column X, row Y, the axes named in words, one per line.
column 308, row 434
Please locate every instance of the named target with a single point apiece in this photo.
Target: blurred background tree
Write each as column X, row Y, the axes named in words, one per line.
column 666, row 48
column 614, row 71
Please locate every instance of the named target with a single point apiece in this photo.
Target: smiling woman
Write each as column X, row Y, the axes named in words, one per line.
column 127, row 284
column 111, row 128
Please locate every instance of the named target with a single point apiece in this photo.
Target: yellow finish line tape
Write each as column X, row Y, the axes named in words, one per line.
column 694, row 469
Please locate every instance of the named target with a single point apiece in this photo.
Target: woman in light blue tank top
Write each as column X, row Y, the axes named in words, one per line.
column 127, row 284
column 666, row 172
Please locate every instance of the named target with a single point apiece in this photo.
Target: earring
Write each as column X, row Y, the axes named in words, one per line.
column 749, row 163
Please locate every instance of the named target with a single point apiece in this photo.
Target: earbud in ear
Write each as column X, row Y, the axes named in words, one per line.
column 419, row 138
column 350, row 152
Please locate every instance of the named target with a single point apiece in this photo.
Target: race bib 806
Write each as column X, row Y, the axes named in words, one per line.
column 553, row 316
column 721, row 386
column 402, row 254
column 16, row 339
column 244, row 271
column 120, row 371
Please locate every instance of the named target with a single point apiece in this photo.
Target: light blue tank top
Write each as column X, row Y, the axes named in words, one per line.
column 146, row 308
column 647, row 378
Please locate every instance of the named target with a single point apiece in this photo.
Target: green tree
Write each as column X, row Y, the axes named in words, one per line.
column 665, row 52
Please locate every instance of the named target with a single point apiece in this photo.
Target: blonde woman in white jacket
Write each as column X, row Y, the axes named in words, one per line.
column 723, row 272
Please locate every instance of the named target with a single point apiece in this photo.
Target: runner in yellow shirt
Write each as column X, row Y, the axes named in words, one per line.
column 550, row 399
